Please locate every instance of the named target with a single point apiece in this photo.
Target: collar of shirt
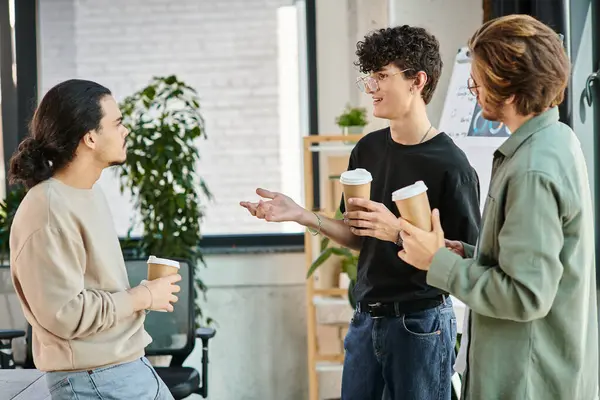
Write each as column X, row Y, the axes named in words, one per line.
column 535, row 124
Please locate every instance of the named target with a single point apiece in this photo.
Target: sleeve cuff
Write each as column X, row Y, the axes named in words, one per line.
column 123, row 304
column 441, row 267
column 468, row 249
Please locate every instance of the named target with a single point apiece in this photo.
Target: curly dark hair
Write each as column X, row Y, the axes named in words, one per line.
column 406, row 47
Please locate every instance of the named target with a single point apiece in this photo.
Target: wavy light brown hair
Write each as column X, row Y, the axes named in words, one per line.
column 519, row 55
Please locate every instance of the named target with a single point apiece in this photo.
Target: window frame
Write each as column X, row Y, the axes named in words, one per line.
column 27, row 72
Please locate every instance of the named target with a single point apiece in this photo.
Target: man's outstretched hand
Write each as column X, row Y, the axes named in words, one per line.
column 278, row 207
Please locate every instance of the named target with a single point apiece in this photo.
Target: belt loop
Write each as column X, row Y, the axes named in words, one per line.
column 444, row 297
column 396, row 309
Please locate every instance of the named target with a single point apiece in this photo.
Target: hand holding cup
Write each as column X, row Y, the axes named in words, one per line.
column 413, row 205
column 162, row 276
column 161, row 291
column 356, row 184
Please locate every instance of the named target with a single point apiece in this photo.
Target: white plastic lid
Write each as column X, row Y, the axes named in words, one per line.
column 358, row 176
column 163, row 261
column 409, row 191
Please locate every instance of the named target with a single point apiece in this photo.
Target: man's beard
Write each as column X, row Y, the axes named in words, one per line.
column 119, row 162
column 495, row 116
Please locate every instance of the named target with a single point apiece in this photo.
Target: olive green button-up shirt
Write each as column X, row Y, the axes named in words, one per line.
column 531, row 281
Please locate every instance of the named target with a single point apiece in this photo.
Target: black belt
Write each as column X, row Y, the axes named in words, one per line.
column 397, row 309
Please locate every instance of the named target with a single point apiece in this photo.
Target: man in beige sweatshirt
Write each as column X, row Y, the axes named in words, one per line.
column 66, row 261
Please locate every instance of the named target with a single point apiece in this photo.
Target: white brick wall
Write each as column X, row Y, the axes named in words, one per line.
column 57, row 51
column 227, row 50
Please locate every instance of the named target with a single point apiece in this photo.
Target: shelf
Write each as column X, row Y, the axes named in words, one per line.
column 331, row 292
column 334, row 358
column 330, row 379
column 331, row 304
column 329, row 366
column 331, row 138
column 333, row 311
column 338, row 148
column 330, row 301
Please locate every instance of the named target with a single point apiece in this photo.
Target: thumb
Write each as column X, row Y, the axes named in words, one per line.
column 435, row 221
column 403, row 256
column 265, row 193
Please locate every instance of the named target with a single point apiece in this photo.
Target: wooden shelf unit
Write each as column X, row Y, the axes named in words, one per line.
column 330, row 292
column 341, row 144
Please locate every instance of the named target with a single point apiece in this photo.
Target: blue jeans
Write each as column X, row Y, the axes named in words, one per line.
column 409, row 357
column 133, row 380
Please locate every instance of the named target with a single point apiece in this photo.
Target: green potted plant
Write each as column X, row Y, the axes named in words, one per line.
column 348, row 261
column 8, row 208
column 352, row 120
column 160, row 172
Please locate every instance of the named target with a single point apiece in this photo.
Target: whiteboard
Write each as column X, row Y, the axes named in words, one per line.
column 460, row 103
column 462, row 116
column 463, row 121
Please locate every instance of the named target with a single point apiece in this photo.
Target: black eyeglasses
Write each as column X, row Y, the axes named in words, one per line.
column 472, row 86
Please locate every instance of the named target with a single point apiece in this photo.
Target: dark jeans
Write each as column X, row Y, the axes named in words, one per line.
column 409, row 357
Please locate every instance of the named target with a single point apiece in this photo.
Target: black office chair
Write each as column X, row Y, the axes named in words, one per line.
column 12, row 323
column 174, row 334
column 6, row 347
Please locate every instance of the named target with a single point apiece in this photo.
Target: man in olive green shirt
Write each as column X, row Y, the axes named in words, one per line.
column 530, row 282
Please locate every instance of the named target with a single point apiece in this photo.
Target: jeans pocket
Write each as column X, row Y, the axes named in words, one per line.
column 355, row 323
column 345, row 342
column 62, row 390
column 422, row 324
column 155, row 374
column 353, row 319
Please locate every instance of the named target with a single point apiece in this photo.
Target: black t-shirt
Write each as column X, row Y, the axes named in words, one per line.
column 453, row 188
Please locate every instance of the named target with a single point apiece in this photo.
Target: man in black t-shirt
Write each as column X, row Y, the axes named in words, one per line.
column 401, row 339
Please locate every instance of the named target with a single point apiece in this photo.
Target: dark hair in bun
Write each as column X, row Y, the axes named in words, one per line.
column 66, row 113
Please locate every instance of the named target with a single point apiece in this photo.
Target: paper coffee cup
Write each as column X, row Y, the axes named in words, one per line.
column 357, row 184
column 413, row 205
column 160, row 267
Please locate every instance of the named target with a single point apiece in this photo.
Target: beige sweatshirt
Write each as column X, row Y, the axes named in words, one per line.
column 69, row 273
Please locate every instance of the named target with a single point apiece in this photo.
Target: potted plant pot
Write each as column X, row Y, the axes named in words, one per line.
column 352, row 130
column 352, row 120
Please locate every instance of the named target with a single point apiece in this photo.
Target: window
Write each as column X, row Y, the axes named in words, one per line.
column 245, row 58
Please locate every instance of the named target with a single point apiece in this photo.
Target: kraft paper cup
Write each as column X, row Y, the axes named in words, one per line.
column 413, row 205
column 356, row 184
column 161, row 267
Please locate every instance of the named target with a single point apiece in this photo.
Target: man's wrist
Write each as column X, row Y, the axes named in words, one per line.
column 141, row 298
column 307, row 219
column 398, row 240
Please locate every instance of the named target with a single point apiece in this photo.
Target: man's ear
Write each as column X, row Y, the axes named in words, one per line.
column 510, row 100
column 90, row 139
column 421, row 80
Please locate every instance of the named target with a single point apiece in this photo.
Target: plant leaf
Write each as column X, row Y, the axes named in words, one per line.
column 324, row 243
column 319, row 261
column 342, row 251
column 160, row 172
